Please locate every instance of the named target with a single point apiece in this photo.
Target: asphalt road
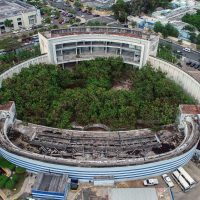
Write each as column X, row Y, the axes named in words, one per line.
column 193, row 55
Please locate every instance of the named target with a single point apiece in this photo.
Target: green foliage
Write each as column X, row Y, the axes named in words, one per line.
column 193, row 19
column 166, row 30
column 46, row 94
column 189, row 28
column 10, row 184
column 122, row 9
column 9, row 43
column 165, row 52
column 3, row 180
column 9, row 59
column 47, row 20
column 6, row 164
column 8, row 23
column 20, row 170
column 78, row 4
column 15, row 178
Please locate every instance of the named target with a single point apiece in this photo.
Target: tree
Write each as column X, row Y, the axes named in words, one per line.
column 189, row 28
column 78, row 4
column 9, row 44
column 192, row 19
column 120, row 10
column 167, row 30
column 193, row 37
column 158, row 27
column 48, row 95
column 10, row 184
column 8, row 23
column 3, row 181
column 15, row 178
column 47, row 20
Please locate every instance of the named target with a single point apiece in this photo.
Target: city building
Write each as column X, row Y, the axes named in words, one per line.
column 21, row 15
column 50, row 186
column 82, row 43
column 143, row 21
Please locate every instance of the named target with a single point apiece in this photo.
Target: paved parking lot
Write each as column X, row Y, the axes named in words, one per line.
column 191, row 70
column 193, row 194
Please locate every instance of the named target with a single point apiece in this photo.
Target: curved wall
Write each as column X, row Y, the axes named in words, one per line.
column 183, row 79
column 17, row 68
column 119, row 173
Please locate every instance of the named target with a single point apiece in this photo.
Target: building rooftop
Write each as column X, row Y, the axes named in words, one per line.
column 51, row 183
column 189, row 109
column 133, row 194
column 136, row 32
column 12, row 8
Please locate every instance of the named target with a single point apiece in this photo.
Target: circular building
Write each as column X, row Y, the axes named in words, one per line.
column 86, row 155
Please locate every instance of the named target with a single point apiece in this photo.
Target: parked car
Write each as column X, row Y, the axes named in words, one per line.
column 196, row 66
column 168, row 180
column 193, row 64
column 187, row 49
column 188, row 62
column 152, row 181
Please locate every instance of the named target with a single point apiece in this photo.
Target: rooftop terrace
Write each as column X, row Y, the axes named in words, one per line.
column 137, row 33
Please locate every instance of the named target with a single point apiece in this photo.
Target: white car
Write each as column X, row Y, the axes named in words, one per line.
column 186, row 49
column 168, row 180
column 152, row 181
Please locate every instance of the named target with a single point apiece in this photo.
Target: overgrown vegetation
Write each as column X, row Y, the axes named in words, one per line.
column 46, row 94
column 12, row 58
column 165, row 52
column 166, row 30
column 193, row 19
column 16, row 172
column 122, row 9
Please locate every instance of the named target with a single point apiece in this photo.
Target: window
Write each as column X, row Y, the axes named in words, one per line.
column 32, row 19
column 19, row 19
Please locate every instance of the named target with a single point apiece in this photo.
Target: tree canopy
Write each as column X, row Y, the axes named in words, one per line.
column 192, row 19
column 48, row 95
column 122, row 9
column 166, row 30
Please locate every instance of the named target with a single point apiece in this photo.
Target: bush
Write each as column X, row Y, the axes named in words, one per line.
column 20, row 170
column 15, row 178
column 3, row 181
column 10, row 184
column 6, row 164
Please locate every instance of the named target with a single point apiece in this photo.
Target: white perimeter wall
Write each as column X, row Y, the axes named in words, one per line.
column 17, row 68
column 188, row 83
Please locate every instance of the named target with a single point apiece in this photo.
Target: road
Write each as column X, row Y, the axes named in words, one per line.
column 193, row 55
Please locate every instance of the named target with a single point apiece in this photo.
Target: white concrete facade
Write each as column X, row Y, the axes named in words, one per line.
column 22, row 15
column 81, row 46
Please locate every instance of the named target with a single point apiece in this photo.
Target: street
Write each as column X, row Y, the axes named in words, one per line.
column 193, row 55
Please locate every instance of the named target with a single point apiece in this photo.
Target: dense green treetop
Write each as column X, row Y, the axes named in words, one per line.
column 46, row 94
column 122, row 9
column 193, row 19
